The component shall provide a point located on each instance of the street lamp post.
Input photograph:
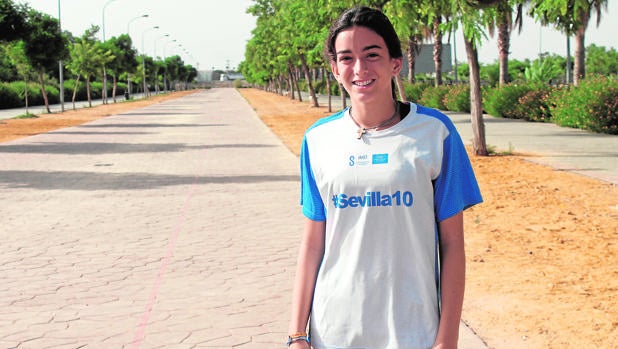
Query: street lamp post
(133, 20)
(143, 53)
(104, 94)
(60, 72)
(129, 34)
(155, 57)
(164, 58)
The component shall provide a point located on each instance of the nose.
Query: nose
(360, 66)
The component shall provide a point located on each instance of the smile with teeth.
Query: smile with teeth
(363, 83)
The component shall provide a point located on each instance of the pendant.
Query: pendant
(360, 132)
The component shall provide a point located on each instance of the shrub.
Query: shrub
(534, 105)
(334, 88)
(593, 105)
(542, 71)
(53, 94)
(320, 87)
(302, 85)
(96, 90)
(458, 98)
(433, 97)
(9, 96)
(414, 91)
(12, 94)
(502, 101)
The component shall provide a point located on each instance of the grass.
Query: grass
(491, 149)
(26, 116)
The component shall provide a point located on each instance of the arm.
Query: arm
(452, 278)
(308, 263)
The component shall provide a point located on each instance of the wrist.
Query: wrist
(297, 337)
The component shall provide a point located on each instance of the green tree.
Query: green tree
(473, 16)
(124, 58)
(12, 21)
(435, 15)
(542, 71)
(503, 22)
(174, 66)
(88, 57)
(409, 22)
(571, 17)
(44, 46)
(600, 61)
(17, 55)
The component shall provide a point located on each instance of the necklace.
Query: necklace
(362, 130)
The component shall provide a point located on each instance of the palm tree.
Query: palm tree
(572, 18)
(503, 22)
(87, 58)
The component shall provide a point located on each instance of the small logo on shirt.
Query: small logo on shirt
(366, 159)
(378, 159)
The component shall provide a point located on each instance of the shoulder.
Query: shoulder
(328, 120)
(437, 115)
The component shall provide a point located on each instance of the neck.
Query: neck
(371, 114)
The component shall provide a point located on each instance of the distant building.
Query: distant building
(204, 76)
(218, 75)
(424, 62)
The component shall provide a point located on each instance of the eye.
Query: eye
(344, 58)
(373, 55)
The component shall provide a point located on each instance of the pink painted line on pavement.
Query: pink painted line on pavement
(139, 337)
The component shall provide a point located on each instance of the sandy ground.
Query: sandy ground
(542, 250)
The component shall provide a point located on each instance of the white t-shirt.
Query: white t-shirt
(381, 197)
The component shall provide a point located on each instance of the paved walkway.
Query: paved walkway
(56, 108)
(587, 153)
(171, 226)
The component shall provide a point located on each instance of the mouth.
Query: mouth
(363, 83)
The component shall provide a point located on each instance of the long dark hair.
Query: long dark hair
(369, 18)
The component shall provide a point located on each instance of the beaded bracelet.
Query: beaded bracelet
(298, 336)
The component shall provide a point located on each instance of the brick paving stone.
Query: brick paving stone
(171, 226)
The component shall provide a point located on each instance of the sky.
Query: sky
(213, 33)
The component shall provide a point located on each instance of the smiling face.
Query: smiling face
(363, 64)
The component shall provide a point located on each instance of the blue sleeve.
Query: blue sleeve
(310, 199)
(456, 188)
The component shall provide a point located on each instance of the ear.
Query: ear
(334, 69)
(397, 65)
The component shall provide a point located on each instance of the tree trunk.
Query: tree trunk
(114, 87)
(579, 71)
(300, 95)
(75, 91)
(413, 51)
(476, 105)
(342, 92)
(26, 94)
(43, 91)
(303, 61)
(400, 89)
(579, 68)
(281, 84)
(504, 44)
(326, 75)
(437, 50)
(290, 82)
(88, 91)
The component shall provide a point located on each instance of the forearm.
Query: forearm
(452, 278)
(309, 258)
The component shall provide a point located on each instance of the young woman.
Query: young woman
(384, 184)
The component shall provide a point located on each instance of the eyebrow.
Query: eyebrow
(367, 48)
